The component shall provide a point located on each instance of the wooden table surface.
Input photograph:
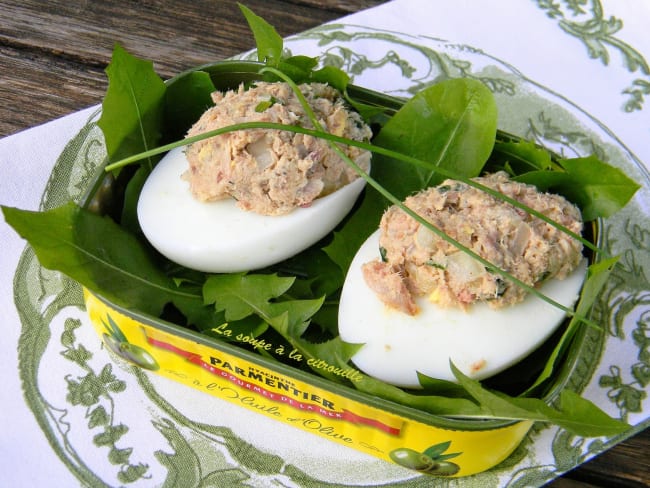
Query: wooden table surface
(52, 60)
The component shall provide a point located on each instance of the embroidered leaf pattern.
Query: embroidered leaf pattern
(599, 34)
(95, 391)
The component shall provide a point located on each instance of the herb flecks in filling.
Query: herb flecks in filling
(420, 263)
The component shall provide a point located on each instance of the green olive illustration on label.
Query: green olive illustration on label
(112, 343)
(444, 468)
(432, 460)
(410, 458)
(117, 342)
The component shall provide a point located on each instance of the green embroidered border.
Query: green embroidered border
(597, 33)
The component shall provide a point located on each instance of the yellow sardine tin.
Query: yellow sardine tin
(391, 432)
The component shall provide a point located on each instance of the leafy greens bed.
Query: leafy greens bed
(447, 130)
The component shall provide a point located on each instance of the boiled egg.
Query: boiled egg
(480, 341)
(219, 237)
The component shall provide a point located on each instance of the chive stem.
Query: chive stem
(414, 215)
(333, 140)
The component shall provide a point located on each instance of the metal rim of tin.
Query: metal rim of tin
(230, 74)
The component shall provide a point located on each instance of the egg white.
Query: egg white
(219, 237)
(481, 341)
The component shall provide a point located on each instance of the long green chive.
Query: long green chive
(333, 140)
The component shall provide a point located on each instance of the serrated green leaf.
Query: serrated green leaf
(434, 404)
(448, 125)
(323, 357)
(575, 413)
(233, 331)
(290, 318)
(240, 295)
(316, 274)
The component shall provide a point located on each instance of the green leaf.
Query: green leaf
(327, 317)
(333, 76)
(521, 156)
(251, 326)
(316, 274)
(441, 387)
(575, 414)
(334, 353)
(364, 221)
(198, 314)
(597, 276)
(240, 295)
(452, 124)
(293, 315)
(97, 253)
(585, 418)
(298, 68)
(434, 404)
(603, 189)
(269, 43)
(115, 329)
(185, 101)
(436, 450)
(599, 189)
(129, 218)
(132, 109)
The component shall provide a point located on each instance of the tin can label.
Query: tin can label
(229, 376)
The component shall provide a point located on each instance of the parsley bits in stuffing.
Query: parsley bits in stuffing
(423, 264)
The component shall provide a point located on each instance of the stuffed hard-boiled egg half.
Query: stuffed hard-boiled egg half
(249, 199)
(416, 302)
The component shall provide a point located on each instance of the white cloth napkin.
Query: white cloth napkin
(600, 71)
